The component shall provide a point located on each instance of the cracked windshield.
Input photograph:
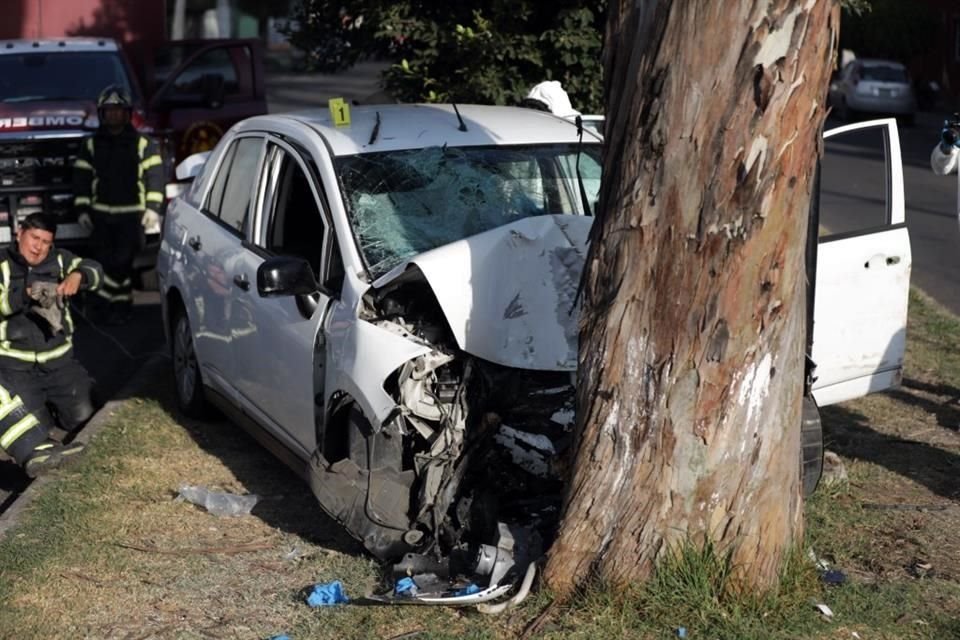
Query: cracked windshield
(402, 203)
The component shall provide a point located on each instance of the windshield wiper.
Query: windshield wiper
(583, 192)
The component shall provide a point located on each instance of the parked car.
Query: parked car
(390, 307)
(878, 87)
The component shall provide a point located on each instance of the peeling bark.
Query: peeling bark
(692, 334)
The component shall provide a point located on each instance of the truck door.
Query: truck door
(863, 264)
(199, 89)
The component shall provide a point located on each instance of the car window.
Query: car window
(233, 64)
(854, 201)
(401, 203)
(883, 73)
(296, 225)
(237, 174)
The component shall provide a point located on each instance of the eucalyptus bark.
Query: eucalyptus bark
(692, 332)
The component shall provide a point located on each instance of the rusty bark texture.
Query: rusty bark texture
(692, 333)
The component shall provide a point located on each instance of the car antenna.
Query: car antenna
(463, 125)
(376, 130)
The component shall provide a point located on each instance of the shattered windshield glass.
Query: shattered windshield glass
(402, 203)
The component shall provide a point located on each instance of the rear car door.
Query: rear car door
(215, 244)
(199, 89)
(280, 364)
(863, 264)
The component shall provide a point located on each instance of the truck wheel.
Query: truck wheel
(186, 370)
(811, 446)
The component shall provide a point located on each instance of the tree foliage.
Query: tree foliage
(488, 51)
(891, 29)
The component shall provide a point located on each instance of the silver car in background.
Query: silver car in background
(875, 87)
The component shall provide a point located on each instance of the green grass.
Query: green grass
(63, 573)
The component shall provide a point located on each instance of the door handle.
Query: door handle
(241, 281)
(892, 260)
(195, 243)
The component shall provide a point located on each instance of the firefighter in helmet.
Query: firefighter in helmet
(118, 187)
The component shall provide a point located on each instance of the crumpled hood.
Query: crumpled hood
(509, 294)
(46, 116)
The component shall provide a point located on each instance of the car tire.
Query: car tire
(811, 446)
(186, 370)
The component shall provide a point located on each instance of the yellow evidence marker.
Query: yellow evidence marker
(339, 112)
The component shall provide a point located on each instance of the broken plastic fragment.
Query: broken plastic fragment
(834, 577)
(823, 609)
(327, 595)
(468, 590)
(219, 503)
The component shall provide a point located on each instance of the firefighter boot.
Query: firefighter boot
(49, 456)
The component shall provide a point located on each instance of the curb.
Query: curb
(150, 370)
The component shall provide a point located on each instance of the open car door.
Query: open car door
(199, 88)
(863, 264)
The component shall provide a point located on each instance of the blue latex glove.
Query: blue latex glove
(326, 595)
(406, 587)
(468, 590)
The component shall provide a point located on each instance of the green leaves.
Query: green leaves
(488, 52)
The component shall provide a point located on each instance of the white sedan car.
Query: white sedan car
(390, 306)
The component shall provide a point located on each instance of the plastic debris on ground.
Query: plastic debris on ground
(824, 610)
(218, 503)
(681, 632)
(327, 595)
(833, 577)
(280, 637)
(406, 587)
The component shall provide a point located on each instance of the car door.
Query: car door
(215, 244)
(863, 264)
(200, 89)
(280, 366)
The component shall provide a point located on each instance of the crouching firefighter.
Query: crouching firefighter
(118, 189)
(39, 376)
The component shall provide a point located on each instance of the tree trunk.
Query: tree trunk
(692, 331)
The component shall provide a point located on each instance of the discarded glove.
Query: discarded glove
(85, 222)
(406, 587)
(49, 304)
(327, 595)
(150, 221)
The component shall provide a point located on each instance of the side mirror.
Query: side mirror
(211, 86)
(285, 276)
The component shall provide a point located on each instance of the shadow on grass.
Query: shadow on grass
(851, 435)
(286, 502)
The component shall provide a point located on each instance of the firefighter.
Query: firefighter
(38, 373)
(118, 191)
(946, 154)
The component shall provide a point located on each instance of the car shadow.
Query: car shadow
(850, 434)
(286, 502)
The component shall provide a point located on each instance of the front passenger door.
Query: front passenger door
(280, 369)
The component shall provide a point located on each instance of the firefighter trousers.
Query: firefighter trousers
(116, 239)
(33, 400)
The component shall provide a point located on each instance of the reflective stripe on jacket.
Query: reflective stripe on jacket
(120, 173)
(24, 339)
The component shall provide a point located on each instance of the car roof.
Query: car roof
(416, 126)
(57, 44)
(876, 62)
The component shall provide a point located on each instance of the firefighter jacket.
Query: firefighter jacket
(25, 338)
(120, 173)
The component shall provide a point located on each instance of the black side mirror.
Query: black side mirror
(286, 276)
(211, 85)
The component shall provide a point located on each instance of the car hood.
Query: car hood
(46, 116)
(510, 294)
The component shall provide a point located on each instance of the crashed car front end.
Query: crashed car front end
(455, 383)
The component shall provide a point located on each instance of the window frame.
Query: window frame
(230, 151)
(277, 148)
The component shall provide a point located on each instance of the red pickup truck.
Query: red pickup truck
(188, 94)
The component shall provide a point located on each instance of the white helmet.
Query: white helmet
(554, 97)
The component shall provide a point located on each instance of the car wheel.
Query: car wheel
(186, 370)
(811, 446)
